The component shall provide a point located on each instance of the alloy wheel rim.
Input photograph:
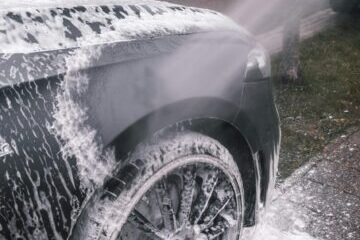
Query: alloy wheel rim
(197, 201)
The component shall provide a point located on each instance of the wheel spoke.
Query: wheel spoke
(210, 179)
(194, 201)
(222, 197)
(143, 224)
(187, 195)
(166, 206)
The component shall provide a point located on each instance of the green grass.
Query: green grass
(328, 100)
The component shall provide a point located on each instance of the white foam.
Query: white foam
(70, 125)
(52, 33)
(283, 220)
(269, 232)
(16, 4)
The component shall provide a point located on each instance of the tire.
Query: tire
(345, 6)
(184, 186)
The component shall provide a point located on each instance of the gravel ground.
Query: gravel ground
(323, 197)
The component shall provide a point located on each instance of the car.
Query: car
(345, 6)
(132, 120)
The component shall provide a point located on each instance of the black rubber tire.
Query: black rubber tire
(122, 192)
(345, 6)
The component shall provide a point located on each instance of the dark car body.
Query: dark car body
(66, 113)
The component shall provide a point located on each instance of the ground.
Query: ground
(318, 194)
(323, 197)
(328, 102)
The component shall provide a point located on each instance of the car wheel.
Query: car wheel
(345, 6)
(181, 187)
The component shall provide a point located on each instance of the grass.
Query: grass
(328, 100)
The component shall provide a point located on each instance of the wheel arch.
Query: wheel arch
(211, 117)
